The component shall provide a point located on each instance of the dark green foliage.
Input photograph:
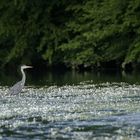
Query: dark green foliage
(74, 33)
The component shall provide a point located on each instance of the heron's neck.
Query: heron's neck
(23, 76)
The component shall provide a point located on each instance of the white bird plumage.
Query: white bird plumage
(17, 88)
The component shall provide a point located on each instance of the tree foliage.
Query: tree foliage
(74, 33)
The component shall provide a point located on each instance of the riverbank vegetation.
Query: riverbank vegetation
(76, 34)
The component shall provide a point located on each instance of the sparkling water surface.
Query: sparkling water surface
(83, 111)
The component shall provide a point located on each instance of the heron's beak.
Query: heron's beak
(29, 67)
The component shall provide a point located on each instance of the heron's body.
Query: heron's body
(17, 88)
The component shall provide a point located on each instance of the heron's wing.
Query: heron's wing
(17, 88)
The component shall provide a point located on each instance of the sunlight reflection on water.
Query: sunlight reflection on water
(84, 111)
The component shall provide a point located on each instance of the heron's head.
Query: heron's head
(25, 67)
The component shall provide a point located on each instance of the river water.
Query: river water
(72, 106)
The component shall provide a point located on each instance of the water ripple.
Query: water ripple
(81, 111)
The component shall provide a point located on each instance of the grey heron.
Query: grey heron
(17, 88)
